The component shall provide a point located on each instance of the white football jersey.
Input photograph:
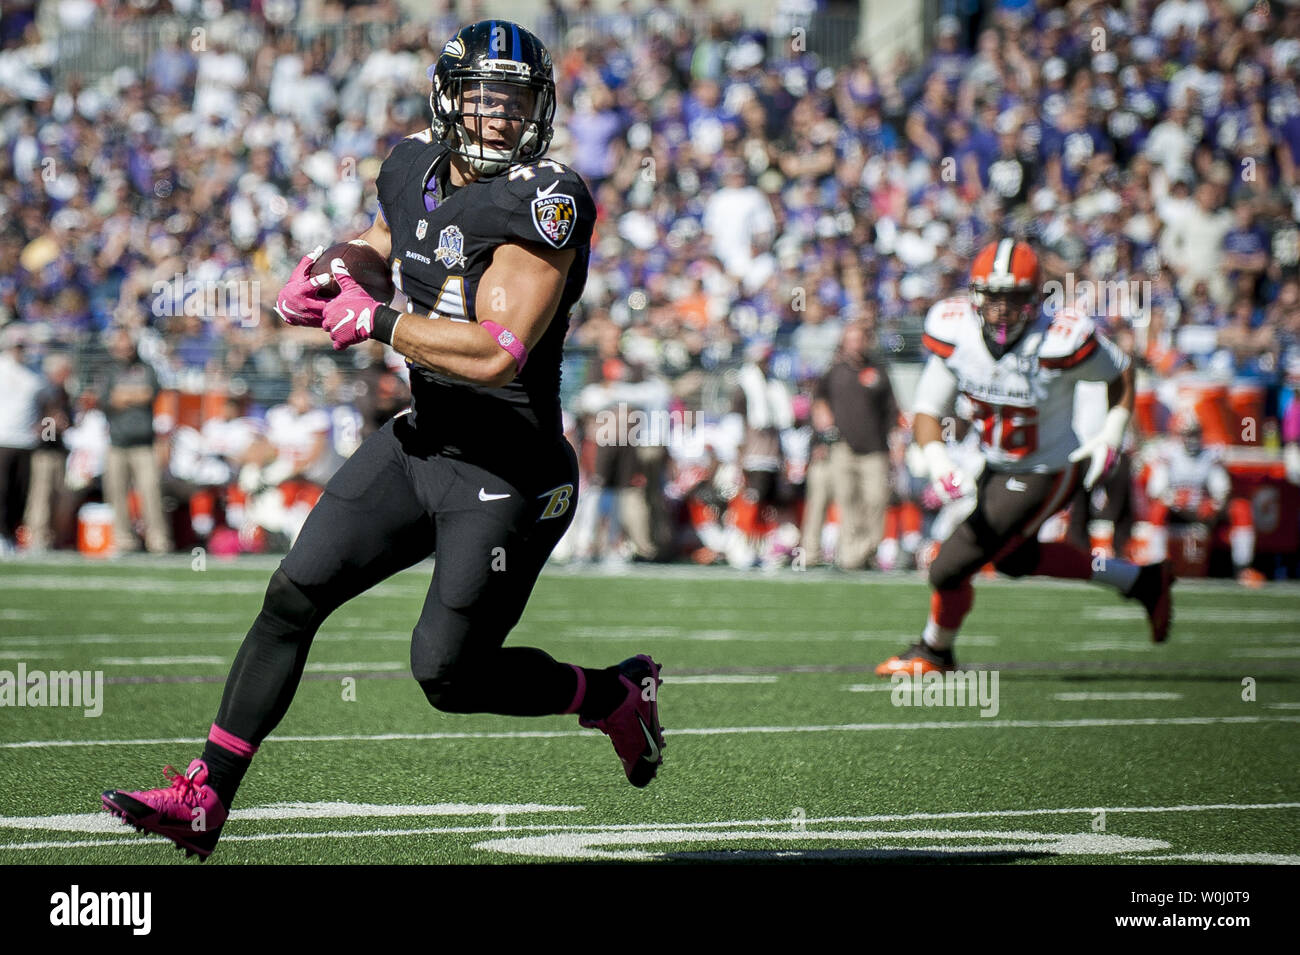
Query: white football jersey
(1184, 479)
(1021, 404)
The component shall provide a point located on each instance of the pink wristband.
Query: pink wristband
(508, 340)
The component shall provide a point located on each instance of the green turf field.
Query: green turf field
(781, 744)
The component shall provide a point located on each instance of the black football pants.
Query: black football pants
(392, 504)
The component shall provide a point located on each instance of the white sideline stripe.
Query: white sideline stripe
(702, 679)
(975, 723)
(1081, 697)
(1246, 858)
(655, 826)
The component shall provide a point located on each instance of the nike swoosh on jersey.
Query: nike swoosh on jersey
(543, 193)
(483, 495)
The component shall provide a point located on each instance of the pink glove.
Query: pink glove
(299, 302)
(949, 487)
(350, 315)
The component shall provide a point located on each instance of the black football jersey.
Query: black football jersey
(438, 257)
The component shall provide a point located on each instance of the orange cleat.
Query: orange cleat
(1252, 578)
(918, 659)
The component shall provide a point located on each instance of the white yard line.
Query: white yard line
(102, 822)
(974, 723)
(161, 661)
(1240, 858)
(171, 639)
(1086, 697)
(1193, 614)
(1109, 646)
(711, 679)
(558, 837)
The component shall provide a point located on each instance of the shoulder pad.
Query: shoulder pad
(944, 325)
(409, 148)
(525, 179)
(401, 164)
(1069, 340)
(546, 202)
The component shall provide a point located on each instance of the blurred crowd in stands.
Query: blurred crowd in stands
(765, 215)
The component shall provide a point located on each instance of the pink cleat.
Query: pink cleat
(188, 812)
(634, 727)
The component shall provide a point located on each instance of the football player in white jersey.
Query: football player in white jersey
(1017, 367)
(1188, 484)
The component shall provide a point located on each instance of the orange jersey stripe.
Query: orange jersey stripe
(940, 348)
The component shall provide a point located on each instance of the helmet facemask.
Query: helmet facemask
(1004, 315)
(494, 118)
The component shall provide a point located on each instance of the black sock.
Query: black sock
(225, 771)
(605, 693)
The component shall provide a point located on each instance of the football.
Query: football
(367, 266)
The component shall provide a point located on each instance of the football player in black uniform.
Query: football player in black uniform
(489, 242)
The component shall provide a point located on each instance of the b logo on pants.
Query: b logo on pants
(558, 502)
